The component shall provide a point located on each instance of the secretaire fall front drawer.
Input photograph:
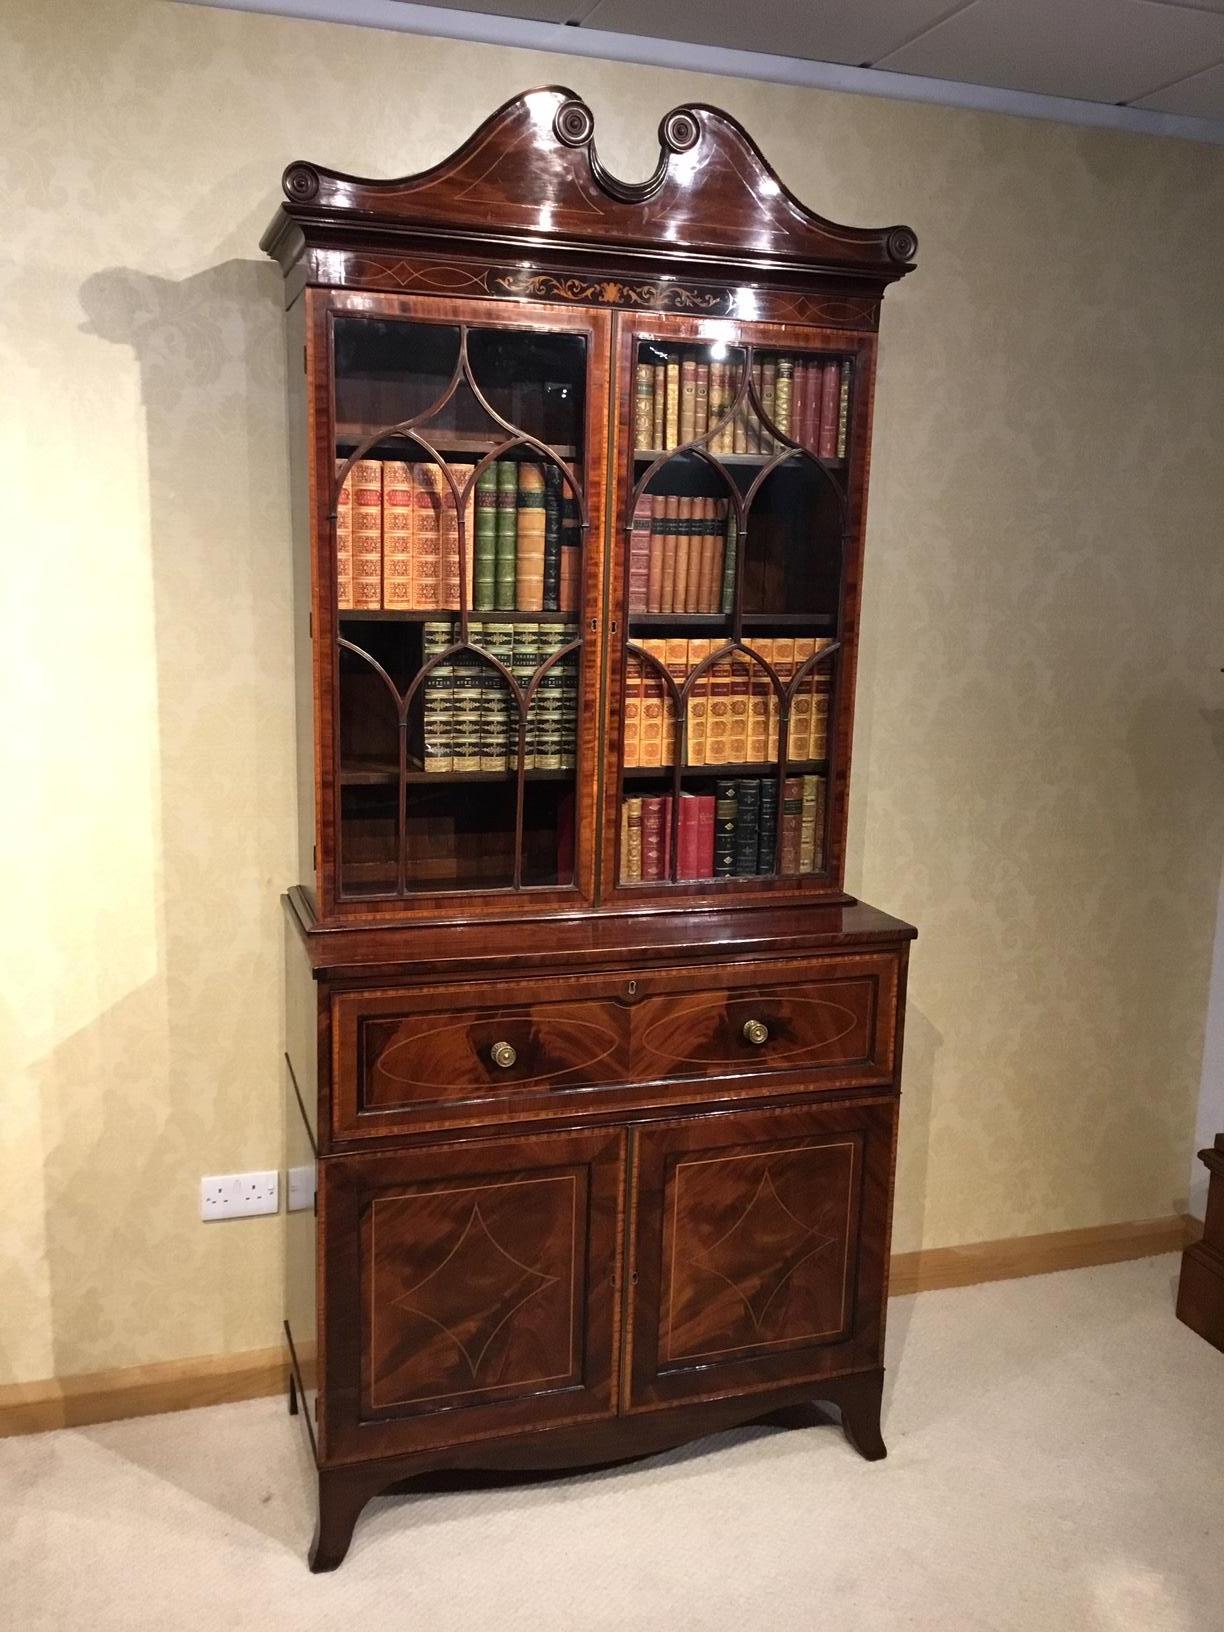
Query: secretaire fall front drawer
(426, 1058)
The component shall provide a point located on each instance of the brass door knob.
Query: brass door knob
(756, 1032)
(503, 1054)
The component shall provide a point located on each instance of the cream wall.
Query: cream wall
(1038, 780)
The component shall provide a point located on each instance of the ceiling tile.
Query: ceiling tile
(852, 31)
(1097, 50)
(1202, 97)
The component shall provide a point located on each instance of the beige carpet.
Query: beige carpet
(1056, 1461)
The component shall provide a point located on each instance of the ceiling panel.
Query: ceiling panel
(1202, 97)
(1099, 50)
(853, 31)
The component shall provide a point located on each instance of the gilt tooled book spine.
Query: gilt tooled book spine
(747, 825)
(729, 550)
(553, 504)
(496, 709)
(726, 805)
(783, 393)
(367, 483)
(653, 689)
(790, 814)
(529, 540)
(658, 525)
(485, 549)
(671, 424)
(453, 560)
(767, 830)
(639, 555)
(843, 410)
(701, 400)
(525, 659)
(698, 702)
(643, 405)
(506, 565)
(632, 710)
(830, 389)
(397, 530)
(671, 528)
(344, 542)
(688, 399)
(427, 532)
(631, 842)
(680, 554)
(737, 727)
(437, 748)
(658, 417)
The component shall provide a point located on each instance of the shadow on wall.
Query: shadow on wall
(922, 1046)
(180, 1077)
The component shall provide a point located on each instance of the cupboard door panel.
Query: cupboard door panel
(470, 1290)
(758, 1249)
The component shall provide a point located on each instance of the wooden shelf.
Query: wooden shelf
(463, 442)
(647, 456)
(796, 767)
(438, 614)
(719, 620)
(382, 773)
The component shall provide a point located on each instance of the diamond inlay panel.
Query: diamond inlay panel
(473, 1291)
(758, 1251)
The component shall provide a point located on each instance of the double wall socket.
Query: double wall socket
(239, 1195)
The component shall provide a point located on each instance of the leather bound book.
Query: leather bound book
(571, 562)
(700, 556)
(683, 544)
(633, 710)
(718, 402)
(658, 420)
(506, 564)
(769, 395)
(676, 658)
(671, 527)
(760, 691)
(757, 441)
(437, 712)
(718, 727)
(737, 727)
(791, 815)
(767, 828)
(716, 526)
(729, 549)
(344, 542)
(549, 704)
(807, 824)
(671, 423)
(451, 561)
(631, 852)
(653, 715)
(553, 502)
(688, 399)
(726, 809)
(799, 386)
(428, 491)
(829, 393)
(485, 528)
(658, 532)
(656, 838)
(800, 745)
(529, 540)
(783, 661)
(467, 698)
(497, 705)
(639, 555)
(843, 410)
(568, 667)
(643, 405)
(397, 534)
(705, 835)
(367, 481)
(747, 820)
(783, 395)
(701, 400)
(695, 839)
(698, 702)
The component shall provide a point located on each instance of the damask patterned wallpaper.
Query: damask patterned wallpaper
(1038, 778)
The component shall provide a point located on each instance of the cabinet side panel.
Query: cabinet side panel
(301, 1075)
(303, 664)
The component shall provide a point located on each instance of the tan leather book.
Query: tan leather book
(367, 483)
(397, 519)
(676, 657)
(683, 548)
(450, 540)
(760, 695)
(801, 706)
(671, 421)
(701, 403)
(658, 417)
(632, 710)
(653, 707)
(699, 702)
(688, 399)
(737, 727)
(658, 532)
(529, 557)
(430, 492)
(783, 661)
(671, 526)
(719, 717)
(344, 542)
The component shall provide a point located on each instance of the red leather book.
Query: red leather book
(830, 393)
(656, 838)
(695, 840)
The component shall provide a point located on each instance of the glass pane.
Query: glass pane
(731, 610)
(454, 536)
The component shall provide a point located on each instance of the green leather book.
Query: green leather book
(506, 567)
(485, 545)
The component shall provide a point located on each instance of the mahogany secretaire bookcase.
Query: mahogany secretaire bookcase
(597, 1062)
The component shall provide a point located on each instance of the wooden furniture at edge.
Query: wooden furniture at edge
(1200, 1293)
(602, 1164)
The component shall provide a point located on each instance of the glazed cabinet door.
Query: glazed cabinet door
(458, 524)
(759, 1250)
(468, 1291)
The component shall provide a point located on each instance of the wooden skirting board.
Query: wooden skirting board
(181, 1385)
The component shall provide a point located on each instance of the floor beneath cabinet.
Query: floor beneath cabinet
(1056, 1448)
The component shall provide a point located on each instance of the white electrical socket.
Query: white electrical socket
(300, 1190)
(239, 1195)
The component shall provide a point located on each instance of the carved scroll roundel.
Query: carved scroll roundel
(574, 123)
